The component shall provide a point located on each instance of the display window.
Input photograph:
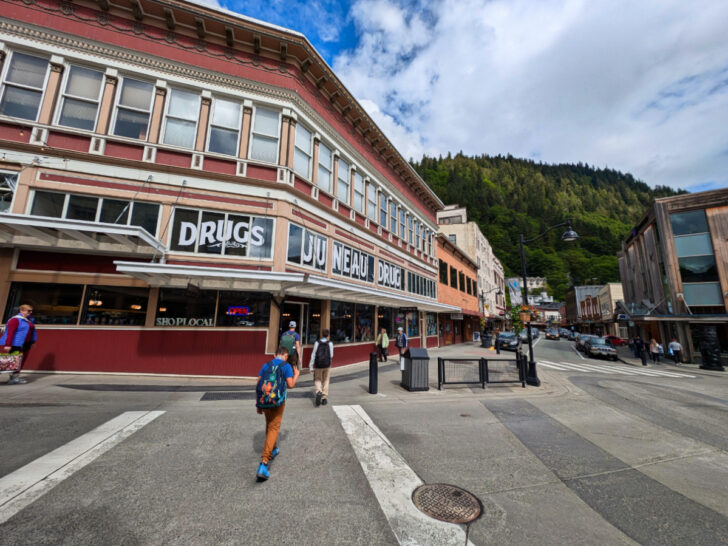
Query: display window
(413, 324)
(431, 324)
(364, 323)
(52, 303)
(115, 306)
(384, 320)
(186, 307)
(314, 321)
(243, 309)
(342, 322)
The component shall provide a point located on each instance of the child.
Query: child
(271, 402)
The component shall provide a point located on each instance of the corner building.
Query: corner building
(178, 183)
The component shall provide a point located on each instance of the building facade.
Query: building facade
(179, 183)
(674, 271)
(609, 319)
(457, 285)
(577, 313)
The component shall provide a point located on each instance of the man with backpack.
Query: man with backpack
(274, 379)
(292, 342)
(321, 358)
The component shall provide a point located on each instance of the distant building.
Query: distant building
(579, 306)
(674, 270)
(534, 283)
(458, 287)
(608, 320)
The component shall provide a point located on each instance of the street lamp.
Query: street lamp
(568, 236)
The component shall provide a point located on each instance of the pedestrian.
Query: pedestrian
(18, 337)
(675, 350)
(401, 343)
(321, 358)
(292, 342)
(274, 379)
(638, 345)
(654, 351)
(382, 343)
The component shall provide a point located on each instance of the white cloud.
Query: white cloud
(639, 87)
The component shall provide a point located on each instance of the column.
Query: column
(203, 121)
(157, 111)
(107, 101)
(245, 132)
(51, 92)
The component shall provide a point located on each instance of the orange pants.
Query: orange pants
(273, 419)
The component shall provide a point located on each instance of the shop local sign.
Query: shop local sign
(184, 321)
(352, 263)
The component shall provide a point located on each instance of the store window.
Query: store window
(343, 182)
(314, 321)
(358, 193)
(372, 202)
(243, 309)
(364, 323)
(23, 86)
(180, 121)
(224, 127)
(52, 303)
(265, 134)
(8, 183)
(342, 322)
(325, 166)
(115, 305)
(303, 152)
(413, 324)
(186, 307)
(133, 107)
(431, 324)
(80, 98)
(384, 320)
(399, 318)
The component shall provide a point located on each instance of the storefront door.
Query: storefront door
(298, 312)
(458, 330)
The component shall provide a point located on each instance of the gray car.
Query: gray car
(599, 347)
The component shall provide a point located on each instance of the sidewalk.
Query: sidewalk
(625, 354)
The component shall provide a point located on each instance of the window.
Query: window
(8, 183)
(52, 303)
(342, 322)
(325, 158)
(413, 324)
(266, 131)
(453, 239)
(224, 127)
(306, 247)
(453, 277)
(133, 108)
(443, 272)
(431, 324)
(180, 126)
(429, 243)
(462, 281)
(302, 154)
(186, 307)
(402, 224)
(343, 183)
(393, 217)
(24, 82)
(372, 202)
(384, 320)
(418, 235)
(358, 192)
(243, 309)
(410, 233)
(383, 210)
(115, 305)
(80, 98)
(364, 323)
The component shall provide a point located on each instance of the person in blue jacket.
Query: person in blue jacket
(19, 336)
(401, 343)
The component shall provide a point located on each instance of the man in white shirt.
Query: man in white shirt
(676, 350)
(321, 358)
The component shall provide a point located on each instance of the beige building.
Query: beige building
(608, 296)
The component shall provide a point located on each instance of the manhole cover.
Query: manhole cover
(447, 503)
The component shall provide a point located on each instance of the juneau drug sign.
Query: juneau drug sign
(390, 275)
(352, 263)
(306, 247)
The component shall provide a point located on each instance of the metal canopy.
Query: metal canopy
(292, 284)
(41, 232)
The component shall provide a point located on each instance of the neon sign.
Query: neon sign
(238, 311)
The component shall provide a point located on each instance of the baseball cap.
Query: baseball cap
(292, 324)
(399, 329)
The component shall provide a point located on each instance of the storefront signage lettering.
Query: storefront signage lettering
(306, 247)
(352, 263)
(215, 233)
(184, 321)
(389, 275)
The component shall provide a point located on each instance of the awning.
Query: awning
(282, 284)
(41, 232)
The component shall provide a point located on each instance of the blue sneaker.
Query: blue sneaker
(263, 473)
(274, 453)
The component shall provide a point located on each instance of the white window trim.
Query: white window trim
(330, 168)
(4, 84)
(308, 153)
(210, 125)
(63, 95)
(253, 133)
(166, 116)
(347, 180)
(117, 105)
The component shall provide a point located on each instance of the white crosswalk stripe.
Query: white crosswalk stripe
(588, 367)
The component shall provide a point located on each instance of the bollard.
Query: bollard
(373, 373)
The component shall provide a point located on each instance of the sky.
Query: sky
(636, 86)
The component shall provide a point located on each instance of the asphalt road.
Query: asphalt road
(599, 454)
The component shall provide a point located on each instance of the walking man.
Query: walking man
(292, 342)
(274, 379)
(382, 344)
(19, 337)
(676, 349)
(401, 344)
(655, 351)
(321, 358)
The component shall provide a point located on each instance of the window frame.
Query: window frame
(345, 180)
(166, 116)
(211, 125)
(63, 95)
(308, 154)
(402, 224)
(117, 98)
(363, 193)
(4, 80)
(330, 168)
(392, 216)
(371, 212)
(253, 134)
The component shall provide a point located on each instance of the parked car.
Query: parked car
(563, 332)
(616, 341)
(581, 340)
(509, 341)
(599, 347)
(573, 336)
(552, 333)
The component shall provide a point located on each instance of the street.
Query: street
(602, 453)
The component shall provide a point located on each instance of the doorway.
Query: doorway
(297, 311)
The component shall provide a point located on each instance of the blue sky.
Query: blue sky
(641, 87)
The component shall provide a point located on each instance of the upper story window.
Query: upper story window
(410, 229)
(393, 217)
(358, 192)
(23, 85)
(402, 229)
(429, 243)
(372, 202)
(80, 99)
(443, 272)
(224, 127)
(418, 233)
(383, 210)
(453, 277)
(8, 183)
(134, 105)
(266, 131)
(180, 124)
(453, 238)
(343, 183)
(303, 152)
(325, 159)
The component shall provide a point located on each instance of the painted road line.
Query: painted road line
(610, 369)
(581, 367)
(25, 485)
(393, 481)
(577, 352)
(670, 374)
(553, 365)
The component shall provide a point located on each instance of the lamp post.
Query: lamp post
(569, 235)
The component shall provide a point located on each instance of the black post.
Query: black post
(373, 373)
(439, 373)
(532, 378)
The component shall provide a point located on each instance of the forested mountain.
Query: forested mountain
(507, 196)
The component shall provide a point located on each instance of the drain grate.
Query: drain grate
(227, 396)
(447, 503)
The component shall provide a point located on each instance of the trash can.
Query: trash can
(416, 374)
(486, 341)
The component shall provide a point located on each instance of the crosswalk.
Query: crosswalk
(609, 369)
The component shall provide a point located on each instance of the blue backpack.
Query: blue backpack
(271, 389)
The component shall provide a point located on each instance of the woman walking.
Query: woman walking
(655, 351)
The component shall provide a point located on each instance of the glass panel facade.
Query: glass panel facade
(364, 322)
(46, 203)
(115, 305)
(703, 294)
(687, 223)
(342, 322)
(413, 324)
(180, 307)
(52, 303)
(82, 207)
(693, 245)
(431, 324)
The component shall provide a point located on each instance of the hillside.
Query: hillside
(507, 196)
